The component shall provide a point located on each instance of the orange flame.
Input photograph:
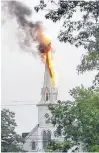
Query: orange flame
(50, 65)
(47, 58)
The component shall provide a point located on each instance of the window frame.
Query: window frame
(32, 145)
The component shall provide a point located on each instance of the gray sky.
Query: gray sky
(23, 74)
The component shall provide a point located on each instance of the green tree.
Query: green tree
(78, 121)
(84, 26)
(57, 146)
(10, 140)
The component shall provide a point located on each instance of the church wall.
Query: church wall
(28, 142)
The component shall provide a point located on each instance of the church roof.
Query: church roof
(25, 134)
(33, 130)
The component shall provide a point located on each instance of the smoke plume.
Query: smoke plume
(17, 10)
(29, 32)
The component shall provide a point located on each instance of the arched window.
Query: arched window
(55, 133)
(46, 96)
(48, 137)
(33, 145)
(44, 140)
(49, 96)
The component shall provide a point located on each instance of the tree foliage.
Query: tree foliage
(78, 121)
(10, 140)
(84, 27)
(57, 146)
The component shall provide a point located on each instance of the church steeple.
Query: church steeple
(48, 92)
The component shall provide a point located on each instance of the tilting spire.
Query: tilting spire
(47, 79)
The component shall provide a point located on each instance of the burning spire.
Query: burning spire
(50, 65)
(44, 48)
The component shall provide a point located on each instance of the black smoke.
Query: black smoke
(29, 31)
(19, 11)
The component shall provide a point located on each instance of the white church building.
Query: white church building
(38, 138)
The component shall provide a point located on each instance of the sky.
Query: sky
(22, 73)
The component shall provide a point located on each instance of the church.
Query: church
(38, 138)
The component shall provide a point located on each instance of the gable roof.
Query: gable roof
(25, 134)
(32, 132)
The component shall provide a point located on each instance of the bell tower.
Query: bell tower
(48, 95)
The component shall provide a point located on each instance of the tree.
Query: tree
(84, 26)
(10, 140)
(87, 112)
(81, 31)
(78, 121)
(59, 146)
